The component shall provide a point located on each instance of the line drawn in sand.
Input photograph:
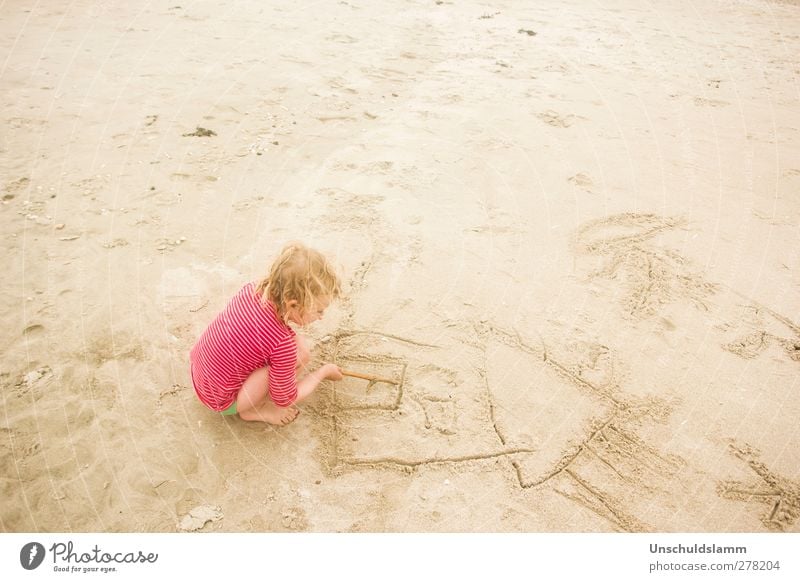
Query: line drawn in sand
(425, 400)
(654, 276)
(630, 465)
(780, 495)
(608, 447)
(757, 321)
(451, 417)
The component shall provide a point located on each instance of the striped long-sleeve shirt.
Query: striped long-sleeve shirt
(248, 334)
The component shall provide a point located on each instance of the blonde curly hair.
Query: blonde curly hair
(299, 274)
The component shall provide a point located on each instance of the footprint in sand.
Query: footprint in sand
(248, 203)
(25, 122)
(198, 517)
(342, 38)
(33, 331)
(703, 102)
(169, 244)
(35, 380)
(104, 348)
(555, 119)
(581, 180)
(12, 188)
(116, 243)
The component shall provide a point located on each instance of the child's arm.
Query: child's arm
(310, 382)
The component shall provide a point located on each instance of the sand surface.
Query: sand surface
(569, 229)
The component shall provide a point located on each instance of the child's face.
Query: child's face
(297, 315)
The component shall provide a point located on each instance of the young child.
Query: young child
(248, 358)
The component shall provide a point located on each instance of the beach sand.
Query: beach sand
(568, 229)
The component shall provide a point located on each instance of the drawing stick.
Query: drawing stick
(366, 376)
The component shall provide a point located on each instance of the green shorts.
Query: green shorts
(231, 410)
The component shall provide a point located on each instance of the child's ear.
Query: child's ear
(291, 304)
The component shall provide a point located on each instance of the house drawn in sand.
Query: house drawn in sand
(496, 397)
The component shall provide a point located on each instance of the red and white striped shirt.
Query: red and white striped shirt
(248, 334)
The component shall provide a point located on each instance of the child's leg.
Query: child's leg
(303, 354)
(253, 401)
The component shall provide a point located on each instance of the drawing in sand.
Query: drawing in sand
(565, 237)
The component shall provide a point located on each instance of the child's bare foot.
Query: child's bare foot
(281, 416)
(272, 414)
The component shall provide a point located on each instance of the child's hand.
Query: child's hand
(332, 372)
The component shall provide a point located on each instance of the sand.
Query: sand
(567, 229)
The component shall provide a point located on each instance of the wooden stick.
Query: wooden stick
(367, 376)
